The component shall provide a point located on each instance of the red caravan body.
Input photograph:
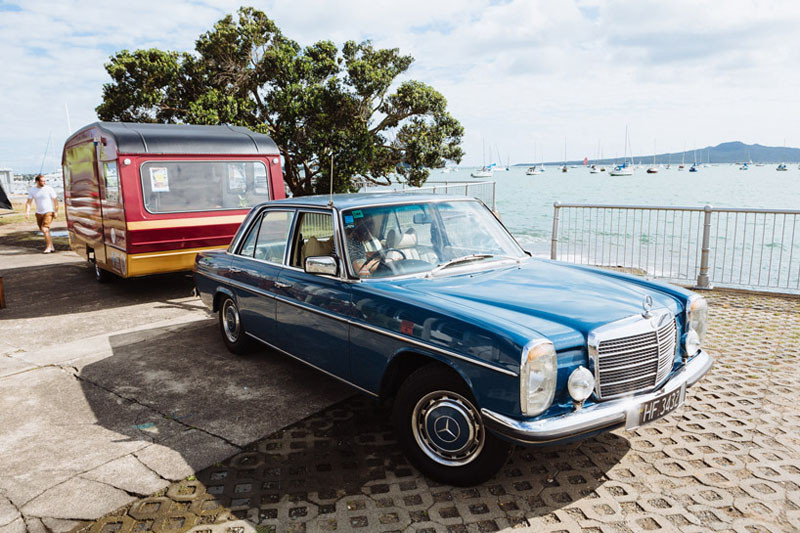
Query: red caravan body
(145, 198)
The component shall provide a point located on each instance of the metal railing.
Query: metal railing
(746, 248)
(483, 190)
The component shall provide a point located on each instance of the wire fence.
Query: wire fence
(747, 248)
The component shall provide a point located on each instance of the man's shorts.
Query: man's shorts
(44, 220)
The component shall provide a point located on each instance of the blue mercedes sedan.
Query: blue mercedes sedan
(429, 302)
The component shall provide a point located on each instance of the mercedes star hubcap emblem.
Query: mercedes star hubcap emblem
(446, 429)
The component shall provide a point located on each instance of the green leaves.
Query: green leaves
(313, 101)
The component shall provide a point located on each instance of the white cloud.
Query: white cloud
(514, 73)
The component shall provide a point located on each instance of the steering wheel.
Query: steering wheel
(384, 253)
(384, 261)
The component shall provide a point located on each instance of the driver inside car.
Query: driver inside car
(363, 247)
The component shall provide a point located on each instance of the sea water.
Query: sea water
(525, 203)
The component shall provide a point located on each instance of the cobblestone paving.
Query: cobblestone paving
(727, 461)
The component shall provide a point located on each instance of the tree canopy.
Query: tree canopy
(313, 101)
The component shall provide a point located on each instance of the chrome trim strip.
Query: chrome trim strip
(636, 378)
(362, 325)
(311, 365)
(422, 344)
(626, 367)
(238, 284)
(593, 418)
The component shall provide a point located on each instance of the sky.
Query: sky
(524, 77)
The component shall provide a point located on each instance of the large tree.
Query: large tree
(313, 101)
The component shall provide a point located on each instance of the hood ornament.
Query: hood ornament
(647, 304)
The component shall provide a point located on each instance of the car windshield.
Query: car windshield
(424, 237)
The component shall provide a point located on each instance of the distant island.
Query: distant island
(729, 152)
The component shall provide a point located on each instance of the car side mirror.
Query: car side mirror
(323, 264)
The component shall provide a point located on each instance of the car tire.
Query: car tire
(230, 326)
(440, 429)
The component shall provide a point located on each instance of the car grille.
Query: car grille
(634, 363)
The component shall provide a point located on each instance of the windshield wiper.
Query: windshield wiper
(467, 259)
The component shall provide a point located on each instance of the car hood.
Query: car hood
(558, 301)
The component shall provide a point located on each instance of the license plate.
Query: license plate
(656, 408)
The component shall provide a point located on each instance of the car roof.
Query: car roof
(349, 201)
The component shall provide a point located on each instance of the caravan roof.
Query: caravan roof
(137, 138)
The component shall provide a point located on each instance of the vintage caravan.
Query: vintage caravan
(145, 198)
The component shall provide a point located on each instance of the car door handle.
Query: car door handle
(282, 285)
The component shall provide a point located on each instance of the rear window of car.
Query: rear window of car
(184, 186)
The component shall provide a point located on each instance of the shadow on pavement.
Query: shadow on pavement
(337, 469)
(203, 403)
(69, 288)
(342, 469)
(33, 240)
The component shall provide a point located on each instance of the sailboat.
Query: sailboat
(534, 170)
(782, 167)
(484, 171)
(683, 158)
(499, 167)
(695, 165)
(624, 169)
(653, 169)
(564, 168)
(593, 168)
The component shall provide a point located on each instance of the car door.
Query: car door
(313, 309)
(255, 267)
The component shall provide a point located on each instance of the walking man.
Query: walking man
(46, 209)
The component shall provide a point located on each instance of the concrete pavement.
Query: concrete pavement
(111, 392)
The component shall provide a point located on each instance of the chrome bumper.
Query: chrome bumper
(604, 415)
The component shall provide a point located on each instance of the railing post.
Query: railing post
(554, 240)
(702, 277)
(494, 196)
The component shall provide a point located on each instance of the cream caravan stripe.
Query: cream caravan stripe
(184, 222)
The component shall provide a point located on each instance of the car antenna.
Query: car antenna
(330, 201)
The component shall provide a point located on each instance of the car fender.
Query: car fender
(399, 367)
(218, 296)
(487, 387)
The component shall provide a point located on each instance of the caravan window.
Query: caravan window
(181, 186)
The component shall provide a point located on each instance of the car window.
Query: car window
(466, 234)
(268, 237)
(421, 237)
(249, 244)
(405, 215)
(313, 238)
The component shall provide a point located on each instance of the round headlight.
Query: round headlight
(691, 342)
(580, 384)
(538, 375)
(697, 316)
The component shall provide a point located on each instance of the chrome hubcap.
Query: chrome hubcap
(230, 321)
(447, 428)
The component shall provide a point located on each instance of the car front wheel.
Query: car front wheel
(441, 430)
(230, 325)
